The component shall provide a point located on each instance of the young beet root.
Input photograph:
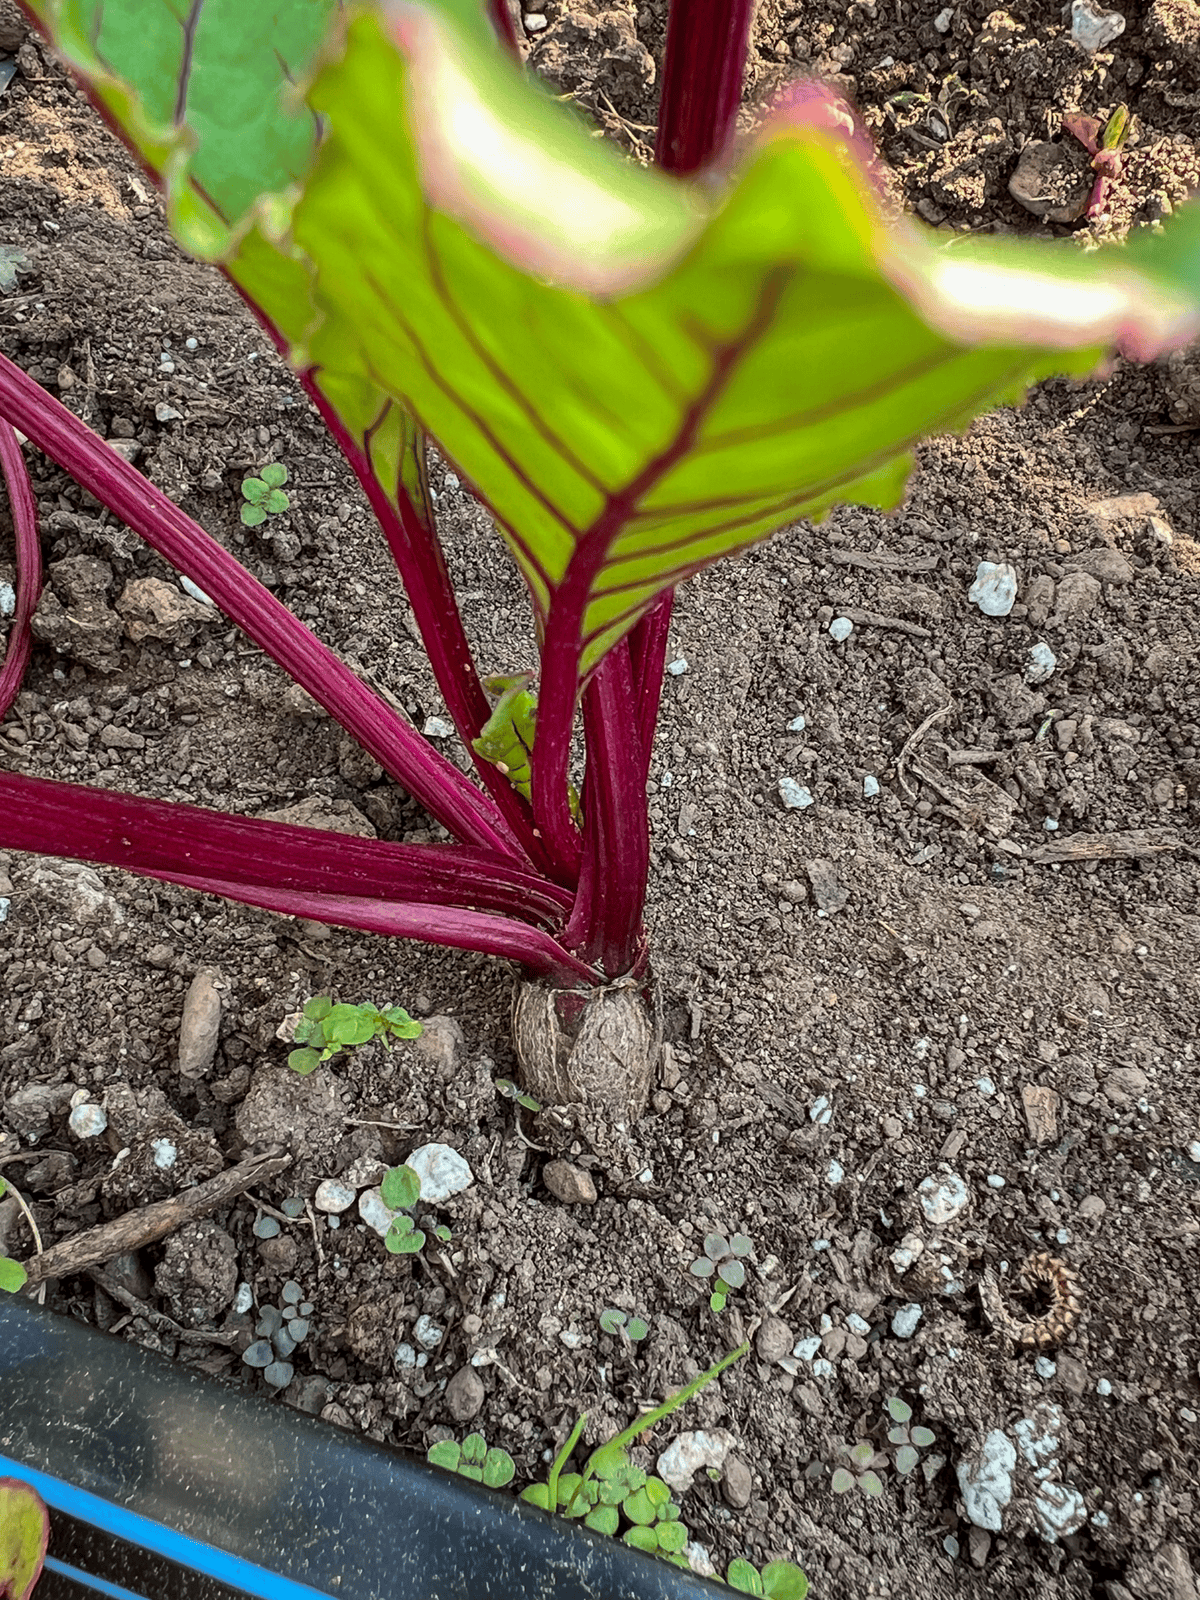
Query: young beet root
(636, 371)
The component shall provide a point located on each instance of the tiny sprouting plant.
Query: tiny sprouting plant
(475, 1460)
(264, 495)
(780, 1580)
(12, 1274)
(861, 1472)
(400, 1191)
(24, 1532)
(910, 1440)
(726, 1259)
(615, 1321)
(510, 1091)
(325, 1029)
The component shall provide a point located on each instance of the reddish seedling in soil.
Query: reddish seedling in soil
(636, 371)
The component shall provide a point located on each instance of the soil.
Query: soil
(888, 1013)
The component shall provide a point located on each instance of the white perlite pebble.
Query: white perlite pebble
(942, 1198)
(858, 1324)
(165, 1154)
(442, 1172)
(333, 1197)
(943, 20)
(904, 1323)
(8, 600)
(196, 592)
(985, 1480)
(438, 728)
(796, 725)
(1194, 1150)
(995, 588)
(244, 1299)
(836, 1172)
(870, 787)
(373, 1211)
(691, 1452)
(426, 1332)
(1042, 662)
(1091, 28)
(87, 1121)
(5, 907)
(840, 629)
(806, 1349)
(906, 1252)
(534, 23)
(677, 667)
(794, 796)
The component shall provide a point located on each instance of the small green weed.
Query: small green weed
(726, 1258)
(860, 1472)
(781, 1580)
(400, 1191)
(473, 1459)
(264, 495)
(324, 1029)
(910, 1440)
(12, 1274)
(614, 1321)
(509, 1090)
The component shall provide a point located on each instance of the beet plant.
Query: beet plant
(637, 371)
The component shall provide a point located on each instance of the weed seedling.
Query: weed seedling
(726, 1258)
(12, 1274)
(910, 1440)
(781, 1580)
(264, 495)
(473, 1459)
(325, 1029)
(861, 1471)
(509, 1090)
(614, 1321)
(400, 1191)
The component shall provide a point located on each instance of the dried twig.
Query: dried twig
(138, 1228)
(11, 1188)
(157, 1319)
(1137, 842)
(911, 743)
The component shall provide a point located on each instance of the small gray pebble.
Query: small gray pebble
(737, 1483)
(292, 1292)
(279, 1374)
(773, 1340)
(464, 1394)
(266, 1228)
(259, 1354)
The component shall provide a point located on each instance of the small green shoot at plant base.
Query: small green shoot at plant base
(400, 1191)
(614, 1321)
(264, 495)
(509, 1090)
(726, 1258)
(473, 1459)
(324, 1029)
(12, 1274)
(781, 1580)
(909, 1440)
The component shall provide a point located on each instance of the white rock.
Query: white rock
(244, 1299)
(995, 588)
(196, 592)
(690, 1453)
(793, 795)
(373, 1211)
(806, 1349)
(165, 1154)
(870, 787)
(1060, 1511)
(333, 1197)
(796, 725)
(87, 1121)
(858, 1324)
(8, 600)
(1045, 1368)
(995, 1181)
(1103, 1387)
(942, 1198)
(426, 1332)
(904, 1323)
(840, 629)
(442, 1172)
(1194, 1150)
(5, 907)
(985, 1480)
(405, 1355)
(438, 728)
(835, 1173)
(677, 667)
(943, 20)
(906, 1252)
(534, 22)
(1042, 662)
(699, 1560)
(821, 1111)
(1091, 28)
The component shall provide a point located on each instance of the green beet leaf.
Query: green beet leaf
(639, 374)
(24, 1531)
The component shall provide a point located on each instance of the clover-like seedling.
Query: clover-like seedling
(614, 1321)
(618, 1491)
(725, 1258)
(325, 1029)
(12, 1274)
(264, 495)
(473, 1459)
(781, 1580)
(910, 1441)
(861, 1472)
(510, 1091)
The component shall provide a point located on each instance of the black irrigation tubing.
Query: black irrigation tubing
(166, 1485)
